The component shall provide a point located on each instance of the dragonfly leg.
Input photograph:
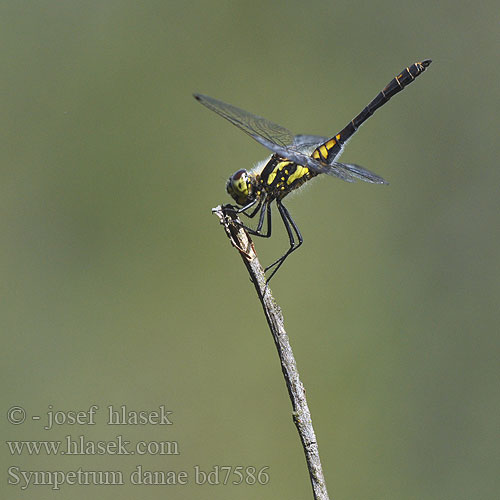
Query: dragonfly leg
(265, 210)
(251, 215)
(236, 210)
(290, 226)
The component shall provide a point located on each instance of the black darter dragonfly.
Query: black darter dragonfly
(295, 160)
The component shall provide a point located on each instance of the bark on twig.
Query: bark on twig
(301, 415)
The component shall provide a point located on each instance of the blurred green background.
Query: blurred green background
(118, 287)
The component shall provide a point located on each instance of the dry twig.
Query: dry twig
(301, 415)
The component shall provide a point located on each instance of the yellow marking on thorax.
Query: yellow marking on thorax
(277, 169)
(298, 174)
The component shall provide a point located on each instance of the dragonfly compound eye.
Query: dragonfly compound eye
(239, 186)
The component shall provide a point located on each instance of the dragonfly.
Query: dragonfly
(295, 160)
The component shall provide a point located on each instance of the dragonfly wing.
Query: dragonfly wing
(277, 138)
(359, 173)
(308, 141)
(302, 158)
(269, 134)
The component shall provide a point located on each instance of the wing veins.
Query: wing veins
(281, 141)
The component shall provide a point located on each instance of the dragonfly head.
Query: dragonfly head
(240, 187)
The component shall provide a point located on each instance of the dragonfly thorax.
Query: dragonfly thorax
(241, 187)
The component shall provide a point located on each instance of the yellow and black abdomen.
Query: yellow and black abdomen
(281, 176)
(331, 149)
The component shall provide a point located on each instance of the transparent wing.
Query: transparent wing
(308, 143)
(360, 173)
(303, 141)
(281, 141)
(262, 130)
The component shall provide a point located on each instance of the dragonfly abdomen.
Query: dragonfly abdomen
(333, 147)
